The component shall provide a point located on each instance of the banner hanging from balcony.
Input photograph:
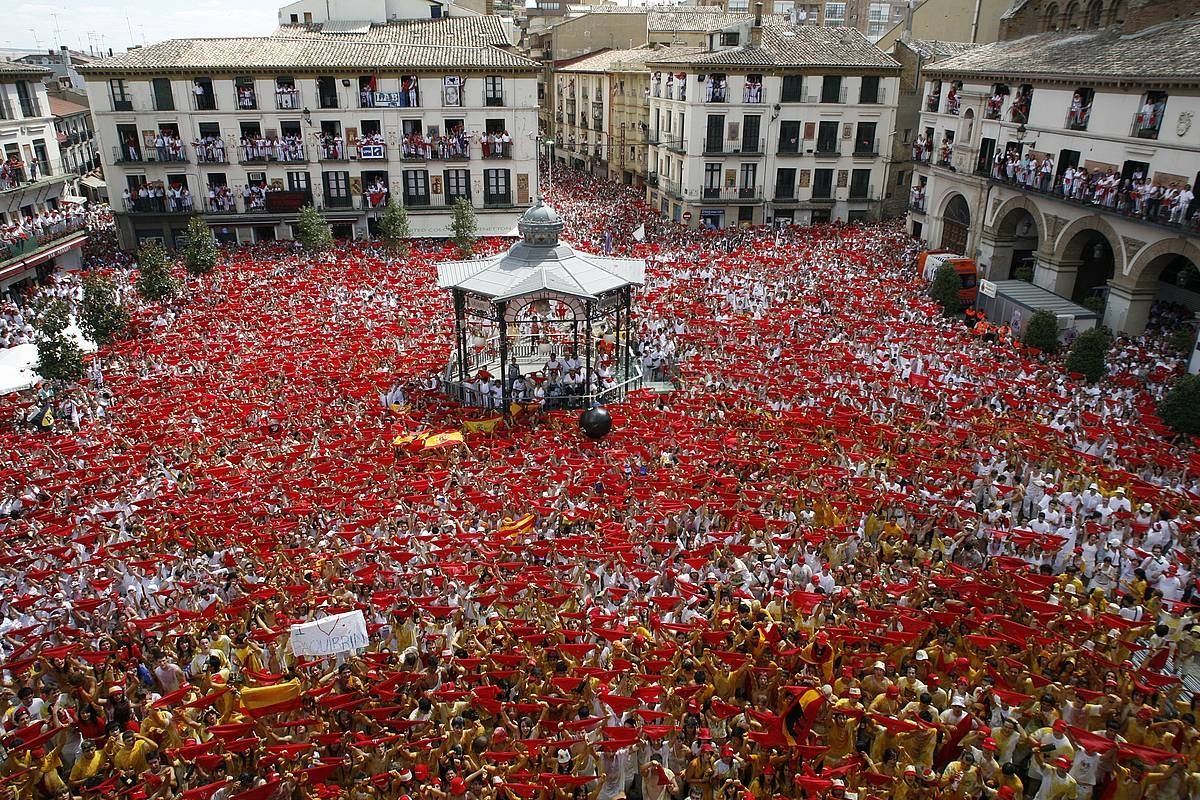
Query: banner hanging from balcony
(407, 97)
(369, 152)
(452, 86)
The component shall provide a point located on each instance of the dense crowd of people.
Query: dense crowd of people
(856, 553)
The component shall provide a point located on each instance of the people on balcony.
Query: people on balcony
(210, 149)
(496, 144)
(952, 101)
(995, 105)
(221, 199)
(376, 193)
(946, 151)
(921, 149)
(1136, 196)
(286, 96)
(254, 196)
(917, 197)
(12, 172)
(1077, 117)
(1020, 105)
(333, 147)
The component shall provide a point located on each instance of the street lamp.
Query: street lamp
(549, 142)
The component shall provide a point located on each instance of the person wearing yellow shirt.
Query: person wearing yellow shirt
(1132, 782)
(960, 779)
(90, 763)
(1057, 775)
(128, 751)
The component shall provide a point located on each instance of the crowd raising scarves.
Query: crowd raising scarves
(858, 553)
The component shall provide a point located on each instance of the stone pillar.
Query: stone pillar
(1057, 275)
(995, 256)
(1128, 308)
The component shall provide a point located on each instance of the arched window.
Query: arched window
(1095, 14)
(1071, 18)
(1116, 13)
(1052, 12)
(956, 223)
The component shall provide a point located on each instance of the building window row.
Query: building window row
(715, 88)
(288, 96)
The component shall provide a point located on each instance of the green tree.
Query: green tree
(1088, 353)
(59, 357)
(1042, 331)
(394, 228)
(199, 248)
(102, 318)
(944, 290)
(155, 283)
(313, 231)
(1182, 340)
(1180, 407)
(463, 227)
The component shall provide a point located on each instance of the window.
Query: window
(287, 95)
(119, 92)
(752, 89)
(822, 184)
(793, 89)
(1051, 17)
(496, 189)
(751, 131)
(831, 89)
(203, 96)
(827, 137)
(864, 140)
(1150, 116)
(729, 38)
(835, 13)
(493, 90)
(714, 134)
(716, 88)
(130, 148)
(1080, 111)
(712, 179)
(27, 97)
(748, 177)
(868, 90)
(164, 100)
(458, 184)
(877, 20)
(785, 183)
(299, 182)
(1021, 104)
(789, 136)
(247, 98)
(337, 189)
(995, 103)
(367, 86)
(416, 187)
(860, 184)
(327, 92)
(294, 19)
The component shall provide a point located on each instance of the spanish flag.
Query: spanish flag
(428, 441)
(260, 701)
(517, 527)
(485, 425)
(799, 719)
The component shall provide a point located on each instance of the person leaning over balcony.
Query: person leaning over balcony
(1047, 170)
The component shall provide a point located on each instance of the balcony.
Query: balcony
(417, 201)
(1124, 204)
(917, 206)
(159, 205)
(652, 179)
(827, 150)
(18, 181)
(29, 247)
(790, 150)
(176, 154)
(749, 147)
(497, 199)
(338, 201)
(283, 152)
(287, 98)
(675, 145)
(862, 194)
(866, 149)
(746, 194)
(207, 154)
(785, 195)
(203, 102)
(497, 150)
(494, 100)
(332, 152)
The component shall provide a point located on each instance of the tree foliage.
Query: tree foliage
(463, 227)
(102, 318)
(1180, 407)
(1088, 353)
(59, 357)
(394, 228)
(199, 248)
(1042, 331)
(945, 288)
(155, 283)
(313, 231)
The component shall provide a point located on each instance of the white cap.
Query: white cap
(879, 665)
(922, 655)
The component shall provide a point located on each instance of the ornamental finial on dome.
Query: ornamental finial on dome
(540, 225)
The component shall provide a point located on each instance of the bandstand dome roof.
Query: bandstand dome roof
(539, 264)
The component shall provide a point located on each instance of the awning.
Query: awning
(92, 182)
(73, 198)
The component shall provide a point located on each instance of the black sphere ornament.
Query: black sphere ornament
(595, 423)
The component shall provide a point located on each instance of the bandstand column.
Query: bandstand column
(587, 348)
(460, 325)
(502, 314)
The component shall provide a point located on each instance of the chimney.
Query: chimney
(66, 55)
(758, 15)
(756, 31)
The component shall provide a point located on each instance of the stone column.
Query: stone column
(1056, 274)
(1128, 308)
(995, 256)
